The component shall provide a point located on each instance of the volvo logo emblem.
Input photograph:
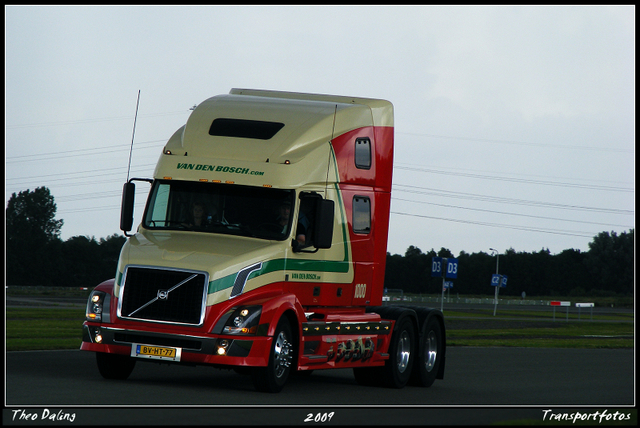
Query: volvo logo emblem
(163, 294)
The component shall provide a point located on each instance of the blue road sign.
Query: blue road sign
(495, 280)
(436, 266)
(503, 282)
(452, 268)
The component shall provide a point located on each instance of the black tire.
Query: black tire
(113, 366)
(273, 377)
(430, 353)
(397, 370)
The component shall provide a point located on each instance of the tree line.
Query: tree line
(607, 269)
(35, 255)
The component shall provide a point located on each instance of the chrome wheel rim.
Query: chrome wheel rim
(431, 351)
(282, 354)
(404, 351)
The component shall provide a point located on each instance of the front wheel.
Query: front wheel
(273, 377)
(430, 354)
(397, 370)
(113, 366)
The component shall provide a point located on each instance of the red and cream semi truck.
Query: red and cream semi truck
(262, 249)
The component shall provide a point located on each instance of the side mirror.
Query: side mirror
(126, 209)
(323, 230)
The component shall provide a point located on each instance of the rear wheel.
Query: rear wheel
(273, 377)
(113, 366)
(397, 370)
(429, 355)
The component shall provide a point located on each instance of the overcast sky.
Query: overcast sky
(514, 126)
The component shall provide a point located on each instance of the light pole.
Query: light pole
(495, 300)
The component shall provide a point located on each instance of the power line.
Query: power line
(91, 173)
(69, 181)
(503, 226)
(101, 150)
(520, 143)
(510, 214)
(398, 165)
(100, 208)
(76, 152)
(486, 198)
(517, 180)
(70, 178)
(86, 196)
(83, 121)
(448, 137)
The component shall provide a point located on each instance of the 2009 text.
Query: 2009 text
(319, 417)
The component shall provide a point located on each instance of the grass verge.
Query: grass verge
(29, 329)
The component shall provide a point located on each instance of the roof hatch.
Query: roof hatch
(243, 128)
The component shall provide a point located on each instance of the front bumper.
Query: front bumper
(249, 351)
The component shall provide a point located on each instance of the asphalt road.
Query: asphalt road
(481, 385)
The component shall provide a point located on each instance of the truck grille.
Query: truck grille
(163, 295)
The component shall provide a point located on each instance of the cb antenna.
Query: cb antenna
(135, 119)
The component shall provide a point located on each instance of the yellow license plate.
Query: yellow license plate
(155, 352)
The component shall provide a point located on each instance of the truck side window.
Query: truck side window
(306, 220)
(361, 214)
(363, 153)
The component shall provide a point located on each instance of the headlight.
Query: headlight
(96, 305)
(243, 320)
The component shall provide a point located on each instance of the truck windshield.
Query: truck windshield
(220, 208)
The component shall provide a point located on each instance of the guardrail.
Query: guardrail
(489, 301)
(44, 288)
(470, 300)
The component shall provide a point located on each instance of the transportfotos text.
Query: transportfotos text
(599, 416)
